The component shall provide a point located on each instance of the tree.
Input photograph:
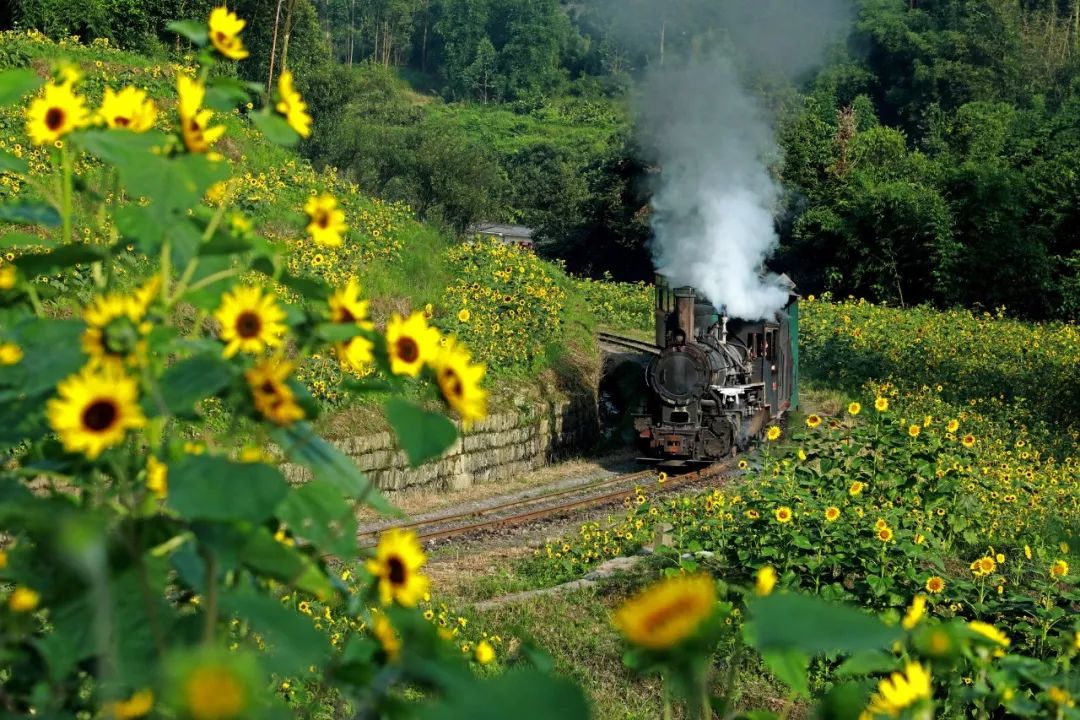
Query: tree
(481, 74)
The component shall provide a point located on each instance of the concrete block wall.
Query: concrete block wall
(504, 445)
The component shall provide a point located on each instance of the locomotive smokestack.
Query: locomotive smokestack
(684, 310)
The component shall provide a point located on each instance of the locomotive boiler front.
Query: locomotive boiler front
(683, 374)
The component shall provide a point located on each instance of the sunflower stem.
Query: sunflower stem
(210, 618)
(65, 197)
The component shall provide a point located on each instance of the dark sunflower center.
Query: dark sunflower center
(397, 570)
(100, 415)
(54, 118)
(221, 37)
(322, 219)
(122, 121)
(193, 126)
(268, 387)
(345, 315)
(248, 324)
(407, 350)
(660, 617)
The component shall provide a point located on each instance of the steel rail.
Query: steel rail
(628, 343)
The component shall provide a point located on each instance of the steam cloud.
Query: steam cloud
(713, 212)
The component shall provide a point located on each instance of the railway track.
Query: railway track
(627, 343)
(539, 507)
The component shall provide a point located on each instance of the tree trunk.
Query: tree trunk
(273, 46)
(288, 31)
(663, 31)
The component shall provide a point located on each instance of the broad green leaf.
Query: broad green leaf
(205, 487)
(318, 512)
(62, 257)
(138, 225)
(192, 380)
(800, 622)
(337, 332)
(10, 163)
(790, 667)
(274, 127)
(29, 212)
(265, 555)
(520, 694)
(302, 445)
(868, 662)
(225, 93)
(17, 84)
(51, 352)
(423, 435)
(224, 245)
(292, 643)
(194, 30)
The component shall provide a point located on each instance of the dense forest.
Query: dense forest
(933, 156)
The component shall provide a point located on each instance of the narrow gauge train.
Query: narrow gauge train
(717, 382)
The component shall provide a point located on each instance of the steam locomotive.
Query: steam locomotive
(716, 382)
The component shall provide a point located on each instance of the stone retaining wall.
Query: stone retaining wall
(504, 445)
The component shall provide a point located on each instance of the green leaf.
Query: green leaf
(191, 380)
(62, 257)
(194, 30)
(225, 93)
(308, 287)
(799, 622)
(17, 84)
(28, 212)
(10, 163)
(274, 127)
(51, 352)
(423, 435)
(868, 662)
(520, 694)
(304, 446)
(205, 487)
(790, 667)
(337, 332)
(292, 642)
(224, 245)
(318, 512)
(265, 555)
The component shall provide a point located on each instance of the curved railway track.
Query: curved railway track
(539, 507)
(627, 343)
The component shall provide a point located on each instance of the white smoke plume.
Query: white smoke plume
(714, 207)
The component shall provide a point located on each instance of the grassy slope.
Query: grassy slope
(398, 260)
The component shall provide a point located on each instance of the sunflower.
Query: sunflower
(773, 433)
(397, 562)
(832, 514)
(94, 409)
(783, 514)
(157, 477)
(983, 566)
(250, 321)
(484, 654)
(115, 327)
(881, 404)
(388, 638)
(10, 353)
(8, 275)
(764, 580)
(410, 343)
(292, 106)
(899, 691)
(990, 632)
(880, 523)
(813, 421)
(915, 612)
(193, 121)
(968, 440)
(139, 704)
(854, 408)
(1059, 569)
(885, 534)
(914, 431)
(346, 307)
(225, 29)
(23, 600)
(56, 113)
(215, 691)
(128, 109)
(952, 426)
(270, 394)
(668, 612)
(459, 380)
(935, 584)
(327, 221)
(464, 315)
(855, 489)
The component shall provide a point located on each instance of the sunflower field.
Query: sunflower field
(950, 511)
(151, 563)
